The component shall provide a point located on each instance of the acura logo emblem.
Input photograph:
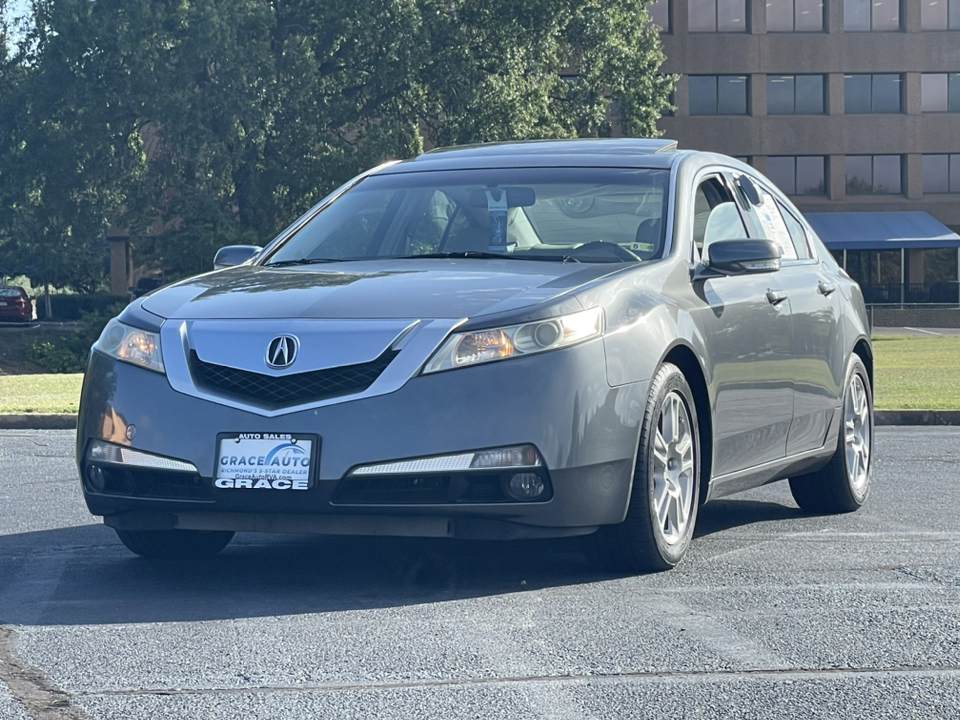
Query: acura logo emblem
(282, 351)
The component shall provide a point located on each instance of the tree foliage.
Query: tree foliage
(198, 123)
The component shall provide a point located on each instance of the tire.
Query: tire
(843, 484)
(175, 543)
(663, 505)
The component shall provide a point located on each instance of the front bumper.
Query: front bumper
(559, 402)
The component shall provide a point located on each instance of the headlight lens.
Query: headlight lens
(472, 348)
(130, 344)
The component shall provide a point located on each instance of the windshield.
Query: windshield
(581, 214)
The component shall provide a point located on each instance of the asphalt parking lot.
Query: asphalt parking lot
(773, 615)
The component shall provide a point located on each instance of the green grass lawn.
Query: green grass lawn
(40, 393)
(917, 373)
(911, 373)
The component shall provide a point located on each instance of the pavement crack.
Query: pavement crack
(41, 698)
(715, 675)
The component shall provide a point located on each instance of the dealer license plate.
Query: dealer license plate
(265, 461)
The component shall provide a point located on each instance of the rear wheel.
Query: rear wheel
(844, 483)
(175, 543)
(666, 485)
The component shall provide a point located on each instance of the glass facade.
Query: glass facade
(795, 94)
(940, 14)
(871, 15)
(874, 175)
(660, 14)
(798, 175)
(717, 15)
(872, 93)
(795, 15)
(718, 94)
(940, 92)
(941, 173)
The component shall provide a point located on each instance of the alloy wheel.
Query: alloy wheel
(857, 433)
(674, 454)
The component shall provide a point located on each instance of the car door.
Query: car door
(747, 333)
(817, 357)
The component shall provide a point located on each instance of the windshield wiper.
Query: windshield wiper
(490, 255)
(302, 261)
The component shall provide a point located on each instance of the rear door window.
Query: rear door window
(766, 221)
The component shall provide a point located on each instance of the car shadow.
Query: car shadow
(84, 576)
(719, 515)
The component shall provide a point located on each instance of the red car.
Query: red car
(15, 305)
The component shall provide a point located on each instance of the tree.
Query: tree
(65, 163)
(199, 123)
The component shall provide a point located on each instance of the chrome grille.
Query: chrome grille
(276, 392)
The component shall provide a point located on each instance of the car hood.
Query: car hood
(425, 288)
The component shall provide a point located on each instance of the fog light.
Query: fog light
(526, 486)
(96, 479)
(104, 452)
(509, 457)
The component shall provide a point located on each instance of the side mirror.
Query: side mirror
(740, 257)
(234, 255)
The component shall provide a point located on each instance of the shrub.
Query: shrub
(73, 307)
(54, 358)
(72, 356)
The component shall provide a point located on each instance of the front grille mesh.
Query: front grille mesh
(275, 392)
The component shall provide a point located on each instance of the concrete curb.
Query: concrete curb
(39, 421)
(917, 417)
(67, 421)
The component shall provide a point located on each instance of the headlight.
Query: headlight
(130, 344)
(471, 348)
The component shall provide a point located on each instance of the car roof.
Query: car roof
(587, 152)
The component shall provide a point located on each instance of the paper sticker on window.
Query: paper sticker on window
(773, 228)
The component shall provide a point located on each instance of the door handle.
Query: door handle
(775, 297)
(826, 288)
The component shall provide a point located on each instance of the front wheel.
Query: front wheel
(666, 485)
(843, 484)
(175, 543)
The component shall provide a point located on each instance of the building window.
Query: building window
(795, 94)
(798, 175)
(717, 15)
(941, 173)
(872, 93)
(874, 175)
(660, 14)
(940, 92)
(794, 16)
(718, 94)
(940, 15)
(871, 15)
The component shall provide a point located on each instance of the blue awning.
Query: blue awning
(882, 230)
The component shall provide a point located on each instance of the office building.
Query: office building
(848, 105)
